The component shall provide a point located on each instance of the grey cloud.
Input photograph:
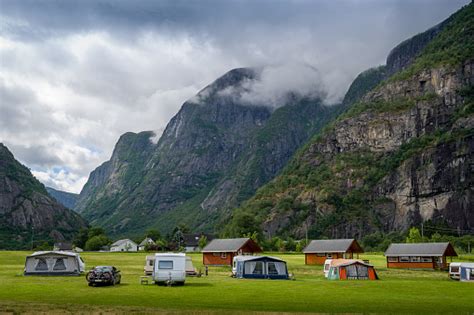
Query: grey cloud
(77, 74)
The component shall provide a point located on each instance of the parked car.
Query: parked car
(106, 275)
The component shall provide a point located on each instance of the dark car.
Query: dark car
(106, 275)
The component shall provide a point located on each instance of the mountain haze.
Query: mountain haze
(399, 156)
(214, 153)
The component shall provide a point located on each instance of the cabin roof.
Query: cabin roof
(333, 246)
(193, 239)
(230, 245)
(63, 246)
(421, 249)
(146, 241)
(120, 242)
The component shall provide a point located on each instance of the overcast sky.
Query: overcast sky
(75, 75)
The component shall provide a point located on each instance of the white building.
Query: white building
(145, 242)
(125, 245)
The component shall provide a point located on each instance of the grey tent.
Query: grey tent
(54, 263)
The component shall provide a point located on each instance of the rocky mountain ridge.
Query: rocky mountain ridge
(214, 153)
(400, 156)
(27, 212)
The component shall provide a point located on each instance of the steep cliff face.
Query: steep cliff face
(214, 153)
(26, 207)
(401, 155)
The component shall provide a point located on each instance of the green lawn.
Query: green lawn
(398, 291)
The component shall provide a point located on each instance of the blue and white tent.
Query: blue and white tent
(259, 267)
(466, 272)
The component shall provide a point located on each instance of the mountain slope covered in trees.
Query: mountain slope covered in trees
(401, 155)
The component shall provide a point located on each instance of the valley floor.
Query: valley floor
(397, 291)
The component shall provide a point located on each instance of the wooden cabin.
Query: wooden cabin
(220, 252)
(419, 255)
(318, 251)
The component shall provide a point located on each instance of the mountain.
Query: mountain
(401, 155)
(26, 208)
(214, 153)
(67, 199)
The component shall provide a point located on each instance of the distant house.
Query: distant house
(125, 245)
(62, 246)
(145, 242)
(220, 252)
(419, 255)
(318, 251)
(191, 241)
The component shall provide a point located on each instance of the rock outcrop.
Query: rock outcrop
(26, 208)
(403, 154)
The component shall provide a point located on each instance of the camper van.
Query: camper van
(150, 262)
(461, 271)
(327, 266)
(454, 270)
(54, 263)
(169, 268)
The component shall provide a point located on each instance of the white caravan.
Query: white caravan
(454, 270)
(327, 266)
(169, 268)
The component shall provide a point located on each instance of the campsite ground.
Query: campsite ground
(398, 291)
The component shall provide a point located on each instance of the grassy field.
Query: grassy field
(397, 291)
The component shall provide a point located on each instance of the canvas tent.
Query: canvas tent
(318, 251)
(351, 269)
(54, 263)
(466, 272)
(260, 267)
(419, 255)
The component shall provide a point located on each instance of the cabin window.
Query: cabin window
(392, 259)
(329, 256)
(404, 259)
(426, 259)
(165, 264)
(59, 264)
(223, 255)
(439, 260)
(321, 255)
(41, 265)
(415, 259)
(216, 254)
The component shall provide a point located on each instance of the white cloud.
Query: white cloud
(75, 77)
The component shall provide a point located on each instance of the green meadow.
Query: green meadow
(397, 291)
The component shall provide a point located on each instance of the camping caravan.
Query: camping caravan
(169, 268)
(327, 266)
(454, 270)
(351, 269)
(466, 272)
(149, 263)
(259, 267)
(54, 263)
